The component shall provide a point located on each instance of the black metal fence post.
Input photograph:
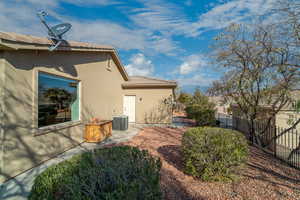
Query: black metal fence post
(286, 147)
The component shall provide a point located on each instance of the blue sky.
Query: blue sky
(158, 38)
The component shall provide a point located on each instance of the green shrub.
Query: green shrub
(115, 173)
(201, 109)
(203, 116)
(213, 154)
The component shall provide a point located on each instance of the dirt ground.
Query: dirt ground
(264, 177)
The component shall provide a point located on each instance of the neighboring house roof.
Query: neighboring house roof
(295, 95)
(147, 82)
(14, 41)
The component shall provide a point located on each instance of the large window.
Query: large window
(58, 100)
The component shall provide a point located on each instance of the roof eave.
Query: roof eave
(139, 86)
(119, 64)
(4, 45)
(33, 46)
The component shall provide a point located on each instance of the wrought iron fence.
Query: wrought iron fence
(225, 121)
(284, 146)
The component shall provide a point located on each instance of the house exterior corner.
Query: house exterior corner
(46, 98)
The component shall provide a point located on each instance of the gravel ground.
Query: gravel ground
(263, 177)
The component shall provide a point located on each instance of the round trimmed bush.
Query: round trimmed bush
(115, 173)
(213, 154)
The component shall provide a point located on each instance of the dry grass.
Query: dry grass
(264, 177)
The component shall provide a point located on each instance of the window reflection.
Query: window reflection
(58, 100)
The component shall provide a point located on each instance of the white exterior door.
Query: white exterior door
(129, 107)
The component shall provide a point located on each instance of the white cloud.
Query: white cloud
(105, 32)
(21, 18)
(44, 3)
(139, 65)
(153, 28)
(188, 2)
(164, 45)
(92, 2)
(169, 19)
(192, 63)
(164, 17)
(196, 80)
(235, 11)
(196, 70)
(55, 3)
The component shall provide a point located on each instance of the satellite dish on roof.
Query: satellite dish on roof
(56, 32)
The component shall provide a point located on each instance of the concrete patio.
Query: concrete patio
(19, 187)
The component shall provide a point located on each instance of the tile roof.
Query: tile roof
(142, 81)
(10, 38)
(15, 41)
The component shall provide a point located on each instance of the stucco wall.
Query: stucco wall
(290, 139)
(283, 117)
(101, 96)
(150, 106)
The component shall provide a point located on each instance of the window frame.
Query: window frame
(54, 127)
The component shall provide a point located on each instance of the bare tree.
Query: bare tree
(289, 14)
(261, 70)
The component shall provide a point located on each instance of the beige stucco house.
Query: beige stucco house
(221, 105)
(47, 97)
(282, 118)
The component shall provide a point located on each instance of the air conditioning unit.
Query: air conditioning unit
(120, 122)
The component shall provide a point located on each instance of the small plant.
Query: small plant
(115, 173)
(213, 154)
